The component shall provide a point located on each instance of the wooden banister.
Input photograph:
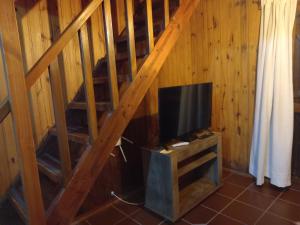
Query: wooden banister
(110, 55)
(51, 54)
(60, 120)
(149, 24)
(131, 39)
(18, 94)
(91, 164)
(4, 109)
(88, 83)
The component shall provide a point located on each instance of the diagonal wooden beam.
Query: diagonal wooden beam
(64, 209)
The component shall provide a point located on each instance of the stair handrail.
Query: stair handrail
(68, 202)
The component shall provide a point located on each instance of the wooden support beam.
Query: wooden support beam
(166, 13)
(110, 54)
(92, 162)
(21, 113)
(88, 83)
(60, 120)
(131, 39)
(149, 23)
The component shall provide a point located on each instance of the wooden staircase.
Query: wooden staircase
(76, 149)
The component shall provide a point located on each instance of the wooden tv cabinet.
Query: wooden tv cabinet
(177, 179)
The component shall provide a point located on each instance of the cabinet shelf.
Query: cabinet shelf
(195, 164)
(193, 194)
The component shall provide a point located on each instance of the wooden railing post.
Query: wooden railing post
(151, 98)
(88, 83)
(166, 13)
(131, 39)
(60, 120)
(21, 113)
(110, 55)
(149, 24)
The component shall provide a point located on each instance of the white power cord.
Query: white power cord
(124, 201)
(123, 154)
(119, 144)
(126, 139)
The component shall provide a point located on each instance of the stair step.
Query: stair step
(77, 137)
(140, 35)
(103, 79)
(123, 56)
(50, 167)
(17, 200)
(100, 106)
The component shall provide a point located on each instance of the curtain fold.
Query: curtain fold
(271, 148)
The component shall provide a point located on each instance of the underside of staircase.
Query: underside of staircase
(56, 191)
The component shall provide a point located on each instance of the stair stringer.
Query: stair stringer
(68, 202)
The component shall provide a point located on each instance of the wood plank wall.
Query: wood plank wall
(220, 46)
(67, 11)
(35, 37)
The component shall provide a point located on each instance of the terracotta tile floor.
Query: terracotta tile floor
(238, 202)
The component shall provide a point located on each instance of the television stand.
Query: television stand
(179, 178)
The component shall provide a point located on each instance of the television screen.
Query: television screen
(183, 110)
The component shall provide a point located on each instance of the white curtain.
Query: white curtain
(271, 149)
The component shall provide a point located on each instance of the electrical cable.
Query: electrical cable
(124, 201)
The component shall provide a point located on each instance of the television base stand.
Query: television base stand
(179, 178)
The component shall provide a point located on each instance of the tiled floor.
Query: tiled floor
(238, 202)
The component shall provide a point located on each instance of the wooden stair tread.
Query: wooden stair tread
(74, 136)
(100, 106)
(140, 34)
(50, 167)
(17, 200)
(104, 79)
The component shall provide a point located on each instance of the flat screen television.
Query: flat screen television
(184, 110)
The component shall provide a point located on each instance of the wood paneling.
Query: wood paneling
(220, 46)
(67, 11)
(35, 38)
(119, 17)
